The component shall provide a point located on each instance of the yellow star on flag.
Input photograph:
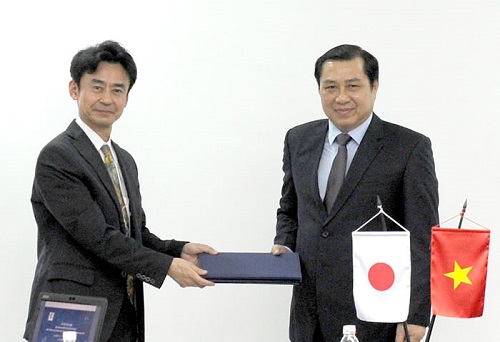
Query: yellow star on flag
(459, 275)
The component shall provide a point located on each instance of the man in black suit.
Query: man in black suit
(92, 234)
(383, 160)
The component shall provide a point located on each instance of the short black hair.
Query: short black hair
(348, 52)
(87, 60)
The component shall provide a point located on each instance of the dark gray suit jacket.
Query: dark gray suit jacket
(392, 162)
(82, 248)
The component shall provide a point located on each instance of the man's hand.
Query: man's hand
(416, 332)
(279, 249)
(191, 251)
(184, 270)
(187, 274)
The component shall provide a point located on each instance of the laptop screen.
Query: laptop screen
(61, 312)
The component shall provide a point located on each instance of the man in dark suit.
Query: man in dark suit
(92, 234)
(383, 160)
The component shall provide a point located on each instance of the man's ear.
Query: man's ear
(73, 90)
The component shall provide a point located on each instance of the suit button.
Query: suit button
(325, 234)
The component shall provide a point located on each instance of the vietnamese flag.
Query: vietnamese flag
(381, 275)
(459, 263)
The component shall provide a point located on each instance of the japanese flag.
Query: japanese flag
(382, 274)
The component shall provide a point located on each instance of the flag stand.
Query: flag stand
(382, 215)
(407, 333)
(433, 319)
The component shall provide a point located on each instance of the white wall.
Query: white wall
(219, 84)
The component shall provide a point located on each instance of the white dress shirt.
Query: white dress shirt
(98, 142)
(330, 151)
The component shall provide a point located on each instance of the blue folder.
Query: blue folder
(252, 268)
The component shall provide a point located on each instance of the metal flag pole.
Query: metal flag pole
(462, 213)
(384, 228)
(433, 319)
(431, 325)
(382, 217)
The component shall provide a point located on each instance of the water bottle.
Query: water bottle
(349, 332)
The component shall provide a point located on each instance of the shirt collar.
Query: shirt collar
(356, 134)
(93, 136)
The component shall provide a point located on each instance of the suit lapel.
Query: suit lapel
(369, 148)
(88, 152)
(315, 149)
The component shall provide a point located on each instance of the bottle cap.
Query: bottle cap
(349, 329)
(69, 336)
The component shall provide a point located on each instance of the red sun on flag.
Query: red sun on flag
(381, 276)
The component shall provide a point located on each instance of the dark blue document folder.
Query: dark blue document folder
(252, 268)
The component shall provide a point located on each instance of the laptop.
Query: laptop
(57, 313)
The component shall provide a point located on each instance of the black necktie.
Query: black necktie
(337, 173)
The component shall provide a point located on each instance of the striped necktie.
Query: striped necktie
(337, 173)
(113, 173)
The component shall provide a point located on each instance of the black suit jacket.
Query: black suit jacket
(82, 248)
(392, 162)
